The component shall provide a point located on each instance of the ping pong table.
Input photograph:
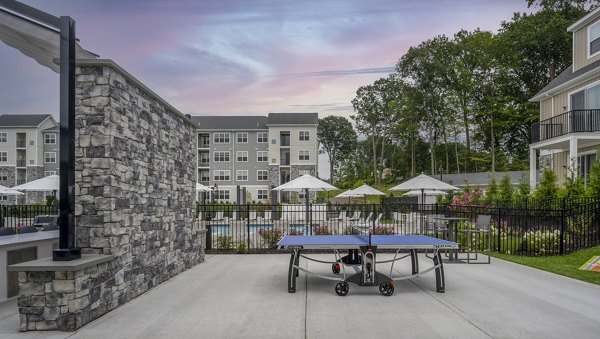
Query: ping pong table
(362, 253)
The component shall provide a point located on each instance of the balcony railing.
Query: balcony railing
(21, 181)
(21, 163)
(21, 143)
(581, 120)
(285, 140)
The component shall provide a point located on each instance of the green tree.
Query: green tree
(593, 187)
(548, 188)
(561, 5)
(337, 139)
(524, 189)
(491, 194)
(505, 191)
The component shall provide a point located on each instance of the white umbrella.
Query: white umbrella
(306, 183)
(9, 191)
(202, 188)
(366, 190)
(424, 182)
(49, 183)
(416, 193)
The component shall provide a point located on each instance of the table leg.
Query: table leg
(414, 259)
(440, 283)
(293, 271)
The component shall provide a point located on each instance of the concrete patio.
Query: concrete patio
(235, 296)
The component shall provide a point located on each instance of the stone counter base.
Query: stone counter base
(68, 300)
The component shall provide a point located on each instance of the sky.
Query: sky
(246, 57)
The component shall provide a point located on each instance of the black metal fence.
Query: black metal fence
(16, 216)
(516, 229)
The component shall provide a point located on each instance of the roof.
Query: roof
(231, 122)
(293, 119)
(585, 20)
(566, 77)
(22, 120)
(51, 129)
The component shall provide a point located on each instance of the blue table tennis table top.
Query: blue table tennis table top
(356, 241)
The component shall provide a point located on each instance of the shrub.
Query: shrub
(322, 230)
(542, 243)
(270, 236)
(241, 248)
(224, 242)
(294, 231)
(548, 187)
(505, 192)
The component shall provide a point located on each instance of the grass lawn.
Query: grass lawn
(567, 265)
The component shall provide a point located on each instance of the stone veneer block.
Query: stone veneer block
(135, 193)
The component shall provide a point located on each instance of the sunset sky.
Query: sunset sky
(238, 57)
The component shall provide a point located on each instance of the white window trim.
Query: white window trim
(50, 143)
(49, 162)
(237, 176)
(258, 177)
(308, 133)
(5, 134)
(303, 150)
(258, 194)
(267, 157)
(237, 156)
(223, 133)
(241, 142)
(589, 41)
(218, 195)
(593, 84)
(228, 172)
(2, 155)
(47, 173)
(262, 142)
(223, 152)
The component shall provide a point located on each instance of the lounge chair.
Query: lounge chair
(7, 231)
(27, 229)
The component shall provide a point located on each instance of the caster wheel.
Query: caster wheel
(342, 289)
(386, 289)
(335, 267)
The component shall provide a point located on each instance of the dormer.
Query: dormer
(586, 40)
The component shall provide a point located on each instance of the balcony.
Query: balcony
(576, 121)
(21, 181)
(21, 163)
(21, 143)
(204, 162)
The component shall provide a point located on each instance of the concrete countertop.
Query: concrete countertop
(46, 264)
(15, 239)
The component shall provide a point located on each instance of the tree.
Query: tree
(337, 139)
(561, 5)
(524, 189)
(505, 192)
(491, 195)
(548, 188)
(593, 187)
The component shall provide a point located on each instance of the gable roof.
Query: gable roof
(568, 78)
(23, 120)
(293, 119)
(231, 122)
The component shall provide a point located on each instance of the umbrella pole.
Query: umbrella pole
(308, 214)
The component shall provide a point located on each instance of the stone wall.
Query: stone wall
(135, 195)
(34, 173)
(11, 180)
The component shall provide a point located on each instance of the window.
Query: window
(50, 157)
(593, 40)
(241, 156)
(241, 175)
(47, 173)
(50, 139)
(3, 137)
(221, 138)
(262, 156)
(303, 155)
(221, 175)
(262, 175)
(3, 175)
(222, 195)
(4, 197)
(584, 166)
(3, 156)
(304, 135)
(242, 137)
(263, 195)
(262, 137)
(221, 156)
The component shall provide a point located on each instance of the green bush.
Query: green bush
(542, 243)
(322, 230)
(241, 248)
(548, 188)
(224, 242)
(270, 236)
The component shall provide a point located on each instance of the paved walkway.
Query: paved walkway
(245, 296)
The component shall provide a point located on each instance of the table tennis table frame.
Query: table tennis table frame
(294, 267)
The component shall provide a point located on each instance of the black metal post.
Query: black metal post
(67, 250)
(562, 228)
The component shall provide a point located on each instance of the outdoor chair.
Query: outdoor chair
(341, 216)
(41, 220)
(7, 231)
(50, 228)
(482, 226)
(27, 229)
(434, 226)
(378, 219)
(267, 216)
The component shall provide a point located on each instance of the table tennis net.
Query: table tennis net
(362, 234)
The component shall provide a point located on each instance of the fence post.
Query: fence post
(561, 246)
(248, 226)
(499, 231)
(208, 236)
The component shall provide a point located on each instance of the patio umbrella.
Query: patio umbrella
(366, 190)
(202, 188)
(424, 182)
(416, 193)
(306, 183)
(348, 194)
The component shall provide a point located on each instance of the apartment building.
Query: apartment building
(255, 153)
(567, 136)
(29, 149)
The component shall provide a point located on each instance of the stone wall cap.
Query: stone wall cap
(112, 64)
(18, 239)
(47, 265)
